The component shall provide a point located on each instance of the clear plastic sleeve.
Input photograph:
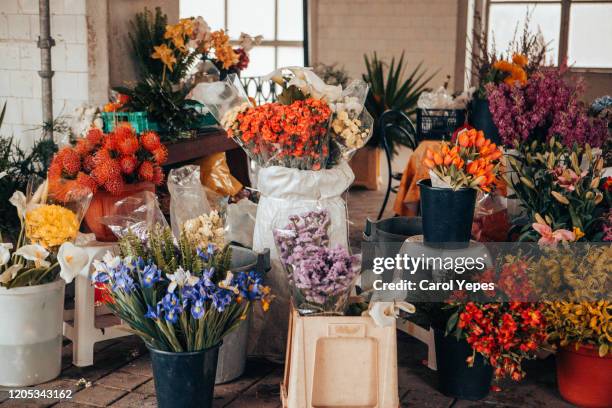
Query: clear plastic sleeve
(187, 196)
(49, 221)
(352, 125)
(240, 222)
(321, 277)
(491, 221)
(137, 214)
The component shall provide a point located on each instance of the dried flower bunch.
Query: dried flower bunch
(560, 189)
(470, 161)
(321, 277)
(108, 162)
(178, 298)
(205, 229)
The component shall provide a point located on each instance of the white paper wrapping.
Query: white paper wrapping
(284, 192)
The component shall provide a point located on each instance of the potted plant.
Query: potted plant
(561, 191)
(457, 170)
(181, 300)
(523, 57)
(32, 281)
(391, 90)
(167, 56)
(577, 318)
(113, 166)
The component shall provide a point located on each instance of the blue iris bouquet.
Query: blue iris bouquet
(177, 297)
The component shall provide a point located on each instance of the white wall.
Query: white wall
(20, 85)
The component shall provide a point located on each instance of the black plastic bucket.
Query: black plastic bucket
(185, 380)
(394, 229)
(482, 119)
(447, 215)
(455, 378)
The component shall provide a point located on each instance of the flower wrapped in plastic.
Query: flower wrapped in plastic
(44, 249)
(321, 277)
(311, 126)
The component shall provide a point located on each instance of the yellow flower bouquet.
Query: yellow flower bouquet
(44, 249)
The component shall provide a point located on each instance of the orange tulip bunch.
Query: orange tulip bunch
(470, 161)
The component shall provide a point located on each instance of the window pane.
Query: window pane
(261, 62)
(212, 11)
(506, 19)
(290, 21)
(590, 35)
(290, 56)
(251, 17)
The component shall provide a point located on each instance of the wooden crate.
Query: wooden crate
(339, 361)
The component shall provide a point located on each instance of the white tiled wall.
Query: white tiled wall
(20, 85)
(425, 29)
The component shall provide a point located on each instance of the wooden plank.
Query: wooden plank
(200, 146)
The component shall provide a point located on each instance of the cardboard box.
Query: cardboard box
(339, 361)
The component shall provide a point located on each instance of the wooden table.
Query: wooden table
(208, 142)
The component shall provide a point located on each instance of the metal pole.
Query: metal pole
(45, 42)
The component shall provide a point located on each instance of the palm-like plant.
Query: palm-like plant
(390, 91)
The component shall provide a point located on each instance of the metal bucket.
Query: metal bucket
(384, 238)
(233, 352)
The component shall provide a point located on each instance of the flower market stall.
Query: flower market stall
(237, 278)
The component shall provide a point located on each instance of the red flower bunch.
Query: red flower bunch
(108, 161)
(470, 161)
(503, 333)
(291, 135)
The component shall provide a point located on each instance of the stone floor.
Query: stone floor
(121, 376)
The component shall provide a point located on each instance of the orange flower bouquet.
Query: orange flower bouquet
(470, 161)
(108, 162)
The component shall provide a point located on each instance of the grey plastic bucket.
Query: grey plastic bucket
(233, 352)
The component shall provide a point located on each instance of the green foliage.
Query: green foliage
(146, 31)
(392, 89)
(168, 107)
(533, 178)
(19, 166)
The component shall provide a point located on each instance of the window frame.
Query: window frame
(275, 42)
(563, 26)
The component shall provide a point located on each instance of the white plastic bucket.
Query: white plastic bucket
(31, 334)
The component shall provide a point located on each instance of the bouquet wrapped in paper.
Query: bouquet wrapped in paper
(311, 126)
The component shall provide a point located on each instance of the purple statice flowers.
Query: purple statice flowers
(548, 105)
(321, 276)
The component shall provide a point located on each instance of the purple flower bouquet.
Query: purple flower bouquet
(321, 277)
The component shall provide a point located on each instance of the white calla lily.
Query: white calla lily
(35, 253)
(18, 199)
(383, 313)
(5, 253)
(72, 260)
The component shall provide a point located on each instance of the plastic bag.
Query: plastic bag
(352, 125)
(223, 98)
(321, 277)
(187, 196)
(215, 174)
(240, 222)
(138, 214)
(491, 223)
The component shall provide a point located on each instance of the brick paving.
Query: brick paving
(121, 376)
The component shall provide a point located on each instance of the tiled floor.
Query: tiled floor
(122, 377)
